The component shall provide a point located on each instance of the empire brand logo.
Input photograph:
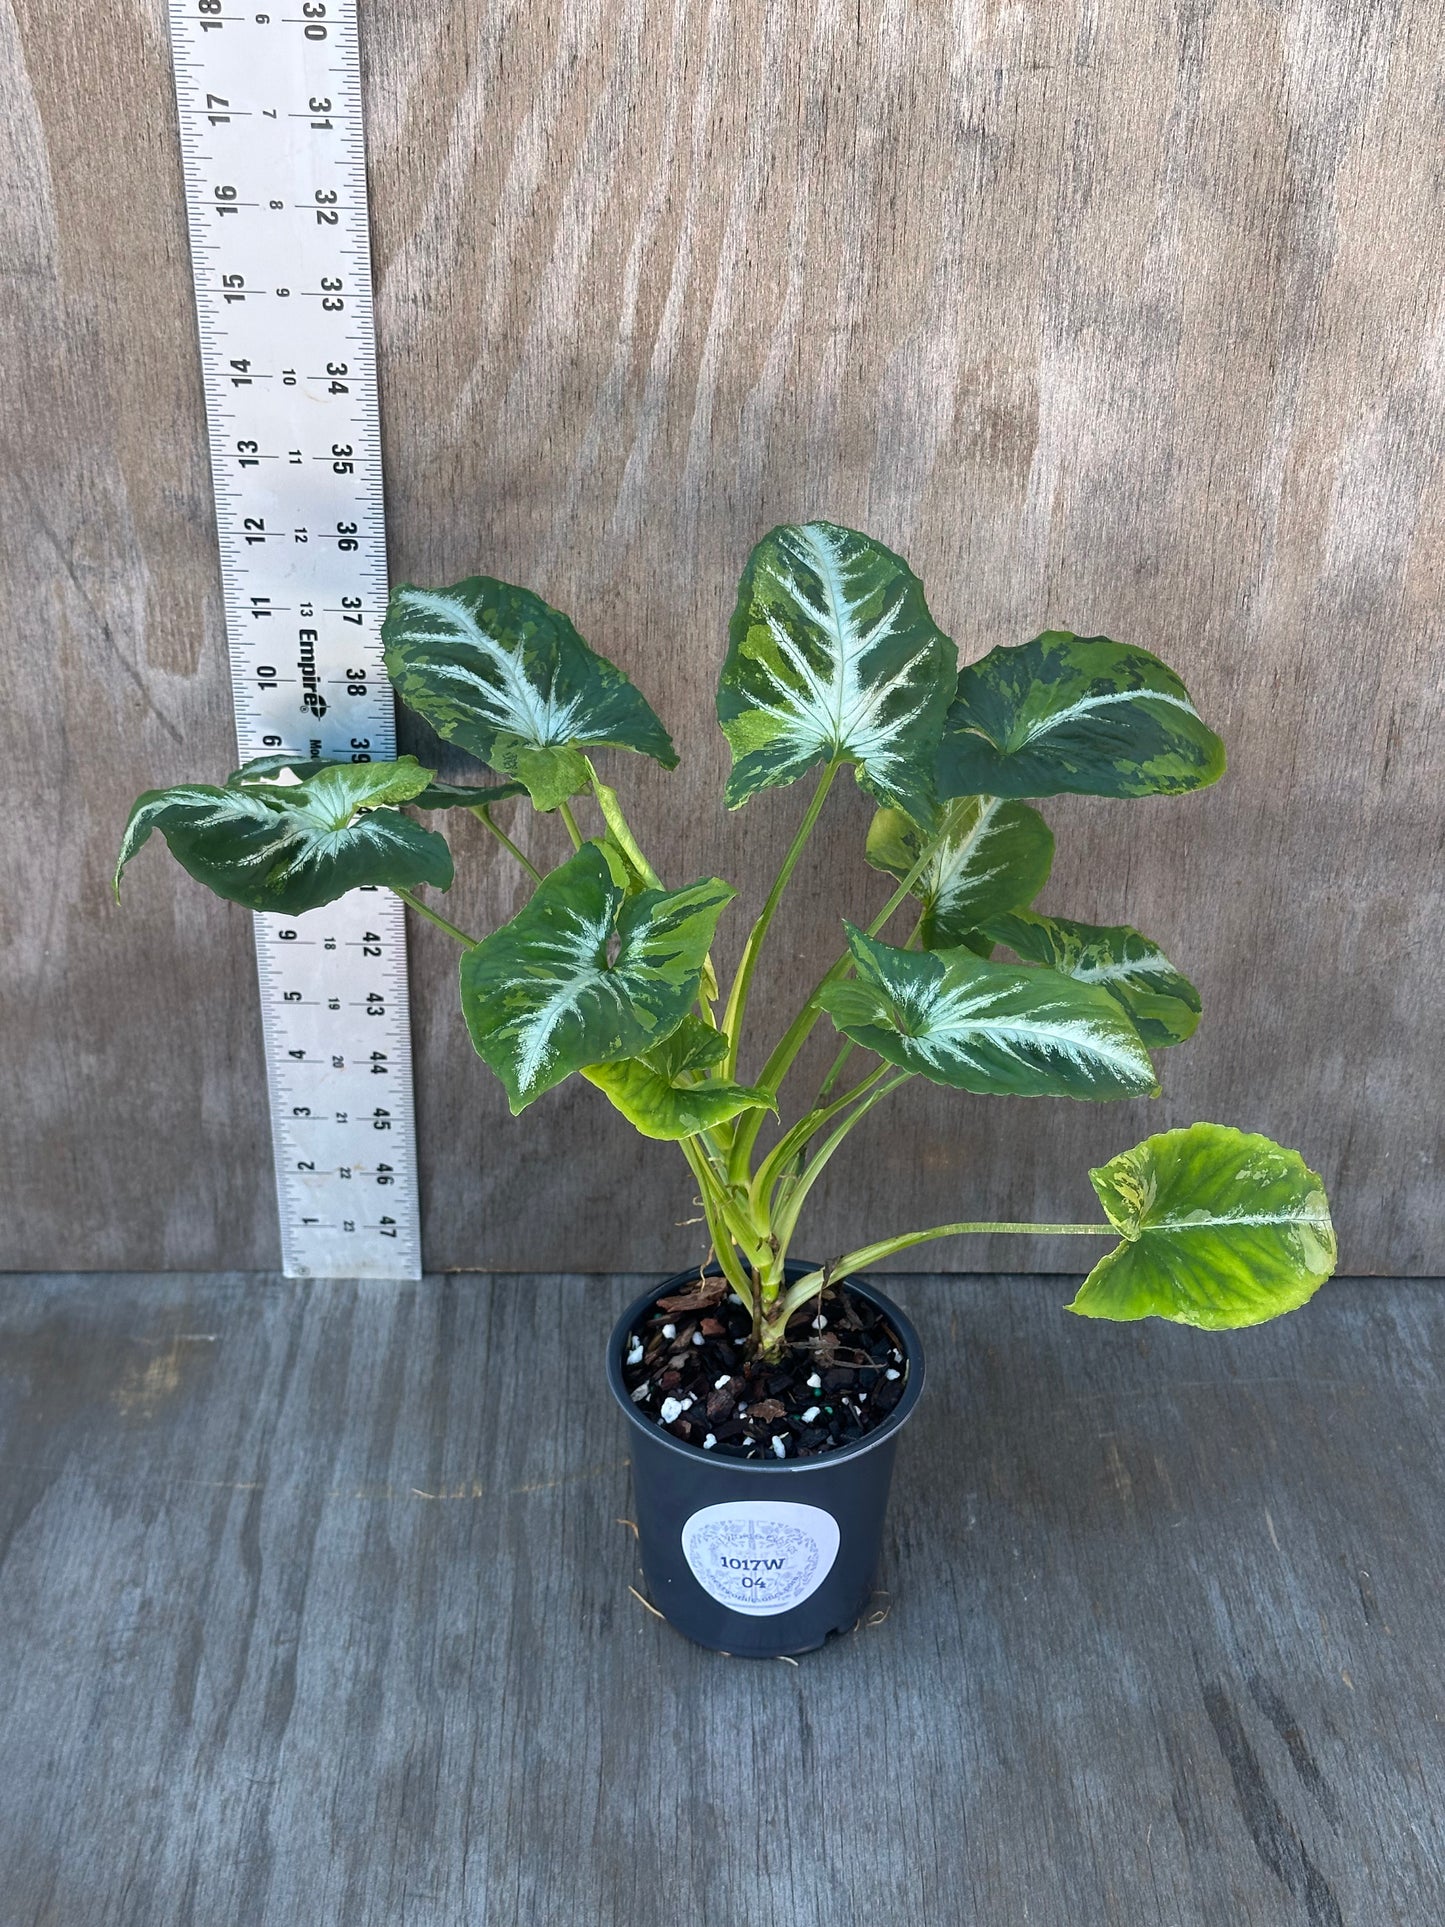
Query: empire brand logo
(311, 696)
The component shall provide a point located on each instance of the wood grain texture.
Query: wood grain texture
(1127, 319)
(309, 1613)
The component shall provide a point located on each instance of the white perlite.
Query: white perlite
(698, 1339)
(669, 1331)
(722, 1383)
(815, 1383)
(709, 1442)
(780, 1448)
(812, 1412)
(890, 1373)
(671, 1408)
(634, 1356)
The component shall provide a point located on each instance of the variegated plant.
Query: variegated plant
(833, 659)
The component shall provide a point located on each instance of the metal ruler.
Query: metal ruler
(275, 180)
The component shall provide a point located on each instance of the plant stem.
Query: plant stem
(836, 1067)
(874, 1254)
(798, 1032)
(788, 1217)
(570, 820)
(724, 1249)
(738, 996)
(622, 835)
(483, 814)
(622, 831)
(795, 1139)
(412, 903)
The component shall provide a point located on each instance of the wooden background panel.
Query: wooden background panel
(1125, 319)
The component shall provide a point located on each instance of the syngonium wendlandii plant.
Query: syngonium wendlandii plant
(833, 659)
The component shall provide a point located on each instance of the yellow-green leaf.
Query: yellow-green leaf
(1221, 1228)
(666, 1094)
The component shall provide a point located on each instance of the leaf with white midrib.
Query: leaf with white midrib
(261, 772)
(542, 997)
(275, 842)
(833, 657)
(1221, 1228)
(1082, 715)
(990, 855)
(980, 1026)
(492, 667)
(1162, 1003)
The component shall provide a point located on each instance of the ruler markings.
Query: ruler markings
(275, 173)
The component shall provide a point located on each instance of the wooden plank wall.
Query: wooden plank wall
(1127, 318)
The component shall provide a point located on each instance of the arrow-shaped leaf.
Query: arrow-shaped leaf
(292, 845)
(989, 856)
(1082, 715)
(981, 1026)
(1221, 1228)
(585, 974)
(660, 1093)
(492, 667)
(1163, 1004)
(833, 656)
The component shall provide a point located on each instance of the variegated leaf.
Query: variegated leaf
(1067, 714)
(661, 1093)
(1163, 1004)
(492, 667)
(287, 844)
(466, 796)
(981, 1026)
(585, 974)
(833, 656)
(436, 796)
(989, 855)
(1221, 1228)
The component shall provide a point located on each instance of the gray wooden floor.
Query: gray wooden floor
(309, 1615)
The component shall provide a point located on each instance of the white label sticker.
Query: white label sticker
(760, 1555)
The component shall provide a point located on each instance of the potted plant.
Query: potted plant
(763, 1396)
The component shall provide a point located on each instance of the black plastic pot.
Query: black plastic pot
(752, 1557)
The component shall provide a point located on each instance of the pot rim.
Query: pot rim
(761, 1468)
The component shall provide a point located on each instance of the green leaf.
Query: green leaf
(1163, 1005)
(1075, 715)
(262, 770)
(466, 796)
(659, 1095)
(981, 1026)
(545, 995)
(990, 856)
(492, 667)
(273, 841)
(833, 656)
(1221, 1228)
